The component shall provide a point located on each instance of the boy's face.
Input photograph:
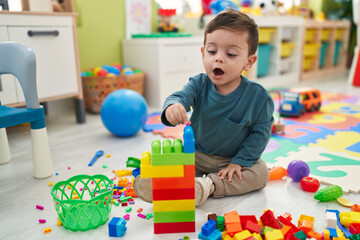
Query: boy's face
(225, 55)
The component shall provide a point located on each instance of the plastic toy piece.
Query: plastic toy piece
(242, 235)
(187, 181)
(354, 228)
(148, 171)
(47, 230)
(268, 219)
(117, 227)
(212, 216)
(149, 215)
(174, 227)
(209, 231)
(189, 140)
(276, 234)
(127, 217)
(59, 223)
(355, 208)
(253, 227)
(141, 215)
(174, 216)
(277, 173)
(344, 202)
(170, 205)
(42, 220)
(97, 155)
(329, 193)
(331, 220)
(136, 172)
(349, 217)
(220, 223)
(309, 184)
(133, 162)
(232, 223)
(300, 235)
(339, 224)
(245, 218)
(40, 207)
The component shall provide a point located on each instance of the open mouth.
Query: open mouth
(218, 72)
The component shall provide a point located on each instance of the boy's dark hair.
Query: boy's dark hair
(237, 22)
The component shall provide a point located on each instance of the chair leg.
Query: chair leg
(41, 153)
(4, 147)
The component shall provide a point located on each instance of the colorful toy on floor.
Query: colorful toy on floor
(277, 173)
(117, 227)
(93, 206)
(97, 155)
(172, 169)
(298, 169)
(328, 193)
(299, 100)
(309, 184)
(124, 112)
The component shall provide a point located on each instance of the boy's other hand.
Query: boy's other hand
(176, 114)
(229, 171)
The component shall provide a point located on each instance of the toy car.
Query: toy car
(299, 100)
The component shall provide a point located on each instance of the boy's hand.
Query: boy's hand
(176, 114)
(229, 171)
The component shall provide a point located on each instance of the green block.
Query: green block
(174, 216)
(300, 235)
(133, 162)
(266, 229)
(116, 203)
(128, 209)
(167, 159)
(220, 223)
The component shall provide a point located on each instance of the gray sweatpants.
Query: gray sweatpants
(253, 178)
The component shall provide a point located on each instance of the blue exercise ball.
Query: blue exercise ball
(123, 112)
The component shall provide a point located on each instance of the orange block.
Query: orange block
(188, 181)
(285, 229)
(312, 234)
(232, 223)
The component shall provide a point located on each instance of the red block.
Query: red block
(188, 181)
(252, 227)
(354, 228)
(245, 218)
(173, 194)
(175, 227)
(268, 219)
(288, 223)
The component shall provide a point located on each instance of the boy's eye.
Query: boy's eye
(231, 55)
(211, 51)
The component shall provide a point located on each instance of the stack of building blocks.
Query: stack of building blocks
(172, 169)
(117, 227)
(209, 231)
(270, 227)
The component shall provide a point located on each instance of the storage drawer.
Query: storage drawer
(55, 58)
(179, 58)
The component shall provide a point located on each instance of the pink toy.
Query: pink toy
(42, 221)
(127, 217)
(141, 215)
(40, 207)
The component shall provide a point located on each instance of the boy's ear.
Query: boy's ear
(202, 51)
(251, 60)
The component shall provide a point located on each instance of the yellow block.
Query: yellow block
(242, 235)
(326, 234)
(174, 205)
(276, 234)
(257, 236)
(148, 171)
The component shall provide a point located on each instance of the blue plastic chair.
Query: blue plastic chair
(18, 60)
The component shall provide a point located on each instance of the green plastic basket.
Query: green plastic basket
(92, 206)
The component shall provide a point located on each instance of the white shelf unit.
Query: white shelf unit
(275, 77)
(168, 63)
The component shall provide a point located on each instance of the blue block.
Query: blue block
(120, 227)
(117, 227)
(215, 235)
(208, 227)
(112, 226)
(346, 232)
(136, 172)
(189, 140)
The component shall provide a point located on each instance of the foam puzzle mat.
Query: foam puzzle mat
(328, 140)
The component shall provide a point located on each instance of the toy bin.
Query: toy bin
(286, 49)
(337, 51)
(307, 63)
(310, 35)
(265, 35)
(325, 34)
(97, 88)
(311, 49)
(264, 54)
(338, 34)
(83, 202)
(323, 48)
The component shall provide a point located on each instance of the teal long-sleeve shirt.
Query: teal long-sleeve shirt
(236, 125)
